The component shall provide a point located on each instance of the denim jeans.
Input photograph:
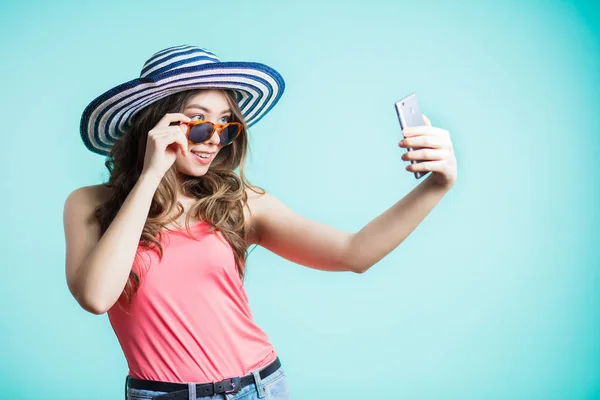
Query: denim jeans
(273, 387)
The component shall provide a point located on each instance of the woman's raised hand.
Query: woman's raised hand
(163, 143)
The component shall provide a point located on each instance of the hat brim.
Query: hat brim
(258, 87)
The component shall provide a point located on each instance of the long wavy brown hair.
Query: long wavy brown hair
(220, 193)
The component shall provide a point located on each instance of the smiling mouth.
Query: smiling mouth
(202, 157)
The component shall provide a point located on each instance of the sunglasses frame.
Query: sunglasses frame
(216, 127)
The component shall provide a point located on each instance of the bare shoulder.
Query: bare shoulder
(252, 211)
(85, 199)
(259, 202)
(82, 230)
(253, 196)
(79, 208)
(96, 193)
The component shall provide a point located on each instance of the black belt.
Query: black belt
(179, 391)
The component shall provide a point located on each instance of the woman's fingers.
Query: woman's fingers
(425, 154)
(174, 136)
(433, 166)
(162, 144)
(424, 130)
(167, 119)
(433, 141)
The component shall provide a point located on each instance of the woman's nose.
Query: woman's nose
(214, 139)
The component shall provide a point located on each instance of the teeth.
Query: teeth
(201, 155)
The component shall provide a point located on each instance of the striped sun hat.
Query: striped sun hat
(175, 69)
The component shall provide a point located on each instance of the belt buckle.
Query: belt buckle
(235, 384)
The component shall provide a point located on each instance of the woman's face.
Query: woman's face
(209, 105)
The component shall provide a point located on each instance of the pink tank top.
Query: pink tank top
(190, 320)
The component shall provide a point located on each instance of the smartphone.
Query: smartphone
(409, 114)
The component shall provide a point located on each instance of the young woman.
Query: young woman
(161, 247)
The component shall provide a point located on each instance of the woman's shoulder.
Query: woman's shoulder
(254, 199)
(260, 205)
(87, 198)
(79, 211)
(251, 209)
(261, 201)
(98, 193)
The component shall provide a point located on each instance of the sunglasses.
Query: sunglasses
(200, 131)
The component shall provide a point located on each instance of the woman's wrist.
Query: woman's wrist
(149, 179)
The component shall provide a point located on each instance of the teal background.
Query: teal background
(496, 295)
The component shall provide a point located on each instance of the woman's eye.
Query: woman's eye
(200, 117)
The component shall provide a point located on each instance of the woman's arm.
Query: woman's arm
(97, 267)
(384, 233)
(323, 247)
